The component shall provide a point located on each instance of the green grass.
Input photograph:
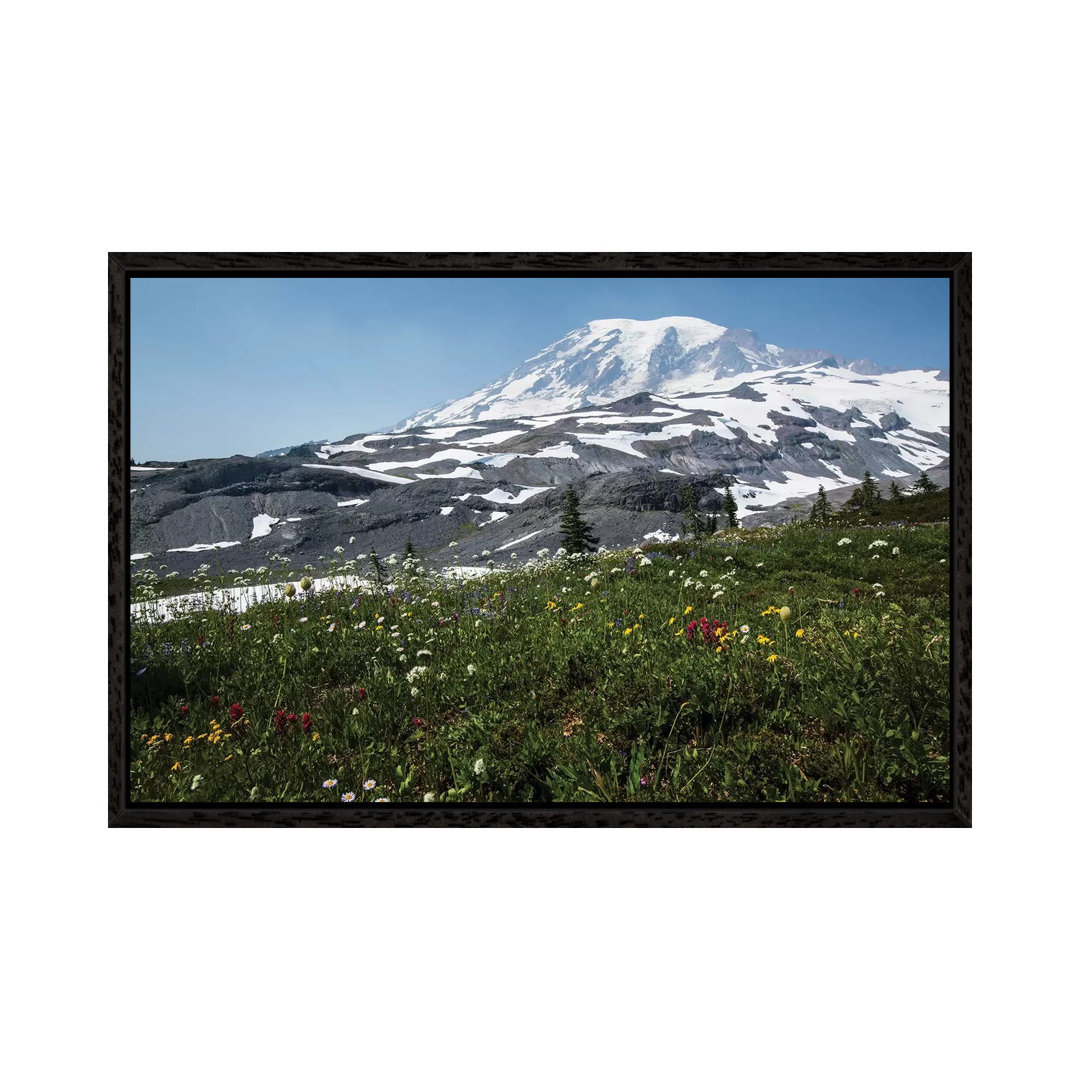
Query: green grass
(539, 686)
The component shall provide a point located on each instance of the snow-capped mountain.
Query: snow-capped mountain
(631, 413)
(610, 359)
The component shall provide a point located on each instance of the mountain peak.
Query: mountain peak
(609, 359)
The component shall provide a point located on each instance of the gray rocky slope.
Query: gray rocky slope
(487, 474)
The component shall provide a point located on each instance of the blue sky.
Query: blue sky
(224, 366)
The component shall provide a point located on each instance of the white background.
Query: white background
(561, 126)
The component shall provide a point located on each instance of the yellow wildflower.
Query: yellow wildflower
(800, 632)
(763, 640)
(229, 757)
(189, 740)
(176, 767)
(689, 608)
(772, 658)
(627, 631)
(610, 625)
(168, 738)
(552, 605)
(671, 620)
(314, 736)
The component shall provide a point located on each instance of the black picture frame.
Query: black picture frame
(952, 265)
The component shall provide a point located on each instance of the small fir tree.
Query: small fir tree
(894, 491)
(410, 551)
(695, 524)
(576, 537)
(924, 485)
(820, 511)
(729, 507)
(869, 494)
(377, 571)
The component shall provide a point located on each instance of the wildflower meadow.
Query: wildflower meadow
(802, 664)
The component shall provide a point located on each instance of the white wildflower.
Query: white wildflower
(843, 540)
(478, 766)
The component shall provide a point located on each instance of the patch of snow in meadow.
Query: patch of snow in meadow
(347, 502)
(151, 468)
(141, 555)
(294, 519)
(260, 525)
(446, 510)
(520, 540)
(465, 571)
(208, 547)
(807, 445)
(496, 515)
(672, 471)
(895, 472)
(357, 471)
(238, 599)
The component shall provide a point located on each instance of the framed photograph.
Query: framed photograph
(493, 540)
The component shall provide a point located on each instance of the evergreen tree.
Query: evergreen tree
(869, 494)
(729, 506)
(820, 511)
(695, 524)
(376, 568)
(895, 492)
(924, 485)
(410, 551)
(576, 537)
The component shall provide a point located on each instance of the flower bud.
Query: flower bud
(290, 590)
(305, 583)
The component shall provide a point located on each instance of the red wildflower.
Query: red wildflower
(361, 693)
(855, 591)
(306, 721)
(236, 711)
(214, 700)
(183, 709)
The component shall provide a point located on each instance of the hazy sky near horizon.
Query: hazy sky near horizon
(223, 366)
